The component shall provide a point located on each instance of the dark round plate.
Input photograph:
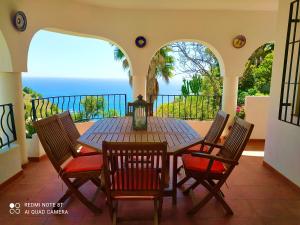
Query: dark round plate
(140, 41)
(20, 21)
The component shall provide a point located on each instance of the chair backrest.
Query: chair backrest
(54, 140)
(134, 168)
(237, 139)
(217, 127)
(69, 127)
(130, 109)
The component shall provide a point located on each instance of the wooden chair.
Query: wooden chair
(74, 171)
(73, 134)
(212, 137)
(141, 179)
(130, 109)
(212, 171)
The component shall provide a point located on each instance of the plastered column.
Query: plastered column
(139, 85)
(140, 65)
(11, 92)
(230, 94)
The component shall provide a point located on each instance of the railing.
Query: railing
(89, 107)
(7, 125)
(191, 107)
(81, 107)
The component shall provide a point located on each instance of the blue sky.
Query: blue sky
(59, 55)
(54, 54)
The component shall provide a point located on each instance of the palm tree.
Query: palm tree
(161, 66)
(119, 56)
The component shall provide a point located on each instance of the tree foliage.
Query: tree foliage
(161, 66)
(256, 79)
(195, 84)
(92, 106)
(120, 56)
(31, 92)
(190, 107)
(198, 62)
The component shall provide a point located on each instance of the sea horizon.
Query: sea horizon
(64, 86)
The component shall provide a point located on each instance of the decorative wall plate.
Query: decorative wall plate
(20, 21)
(239, 41)
(140, 41)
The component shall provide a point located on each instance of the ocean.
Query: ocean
(50, 87)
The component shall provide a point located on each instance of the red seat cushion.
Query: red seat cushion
(84, 163)
(87, 151)
(137, 179)
(196, 148)
(200, 164)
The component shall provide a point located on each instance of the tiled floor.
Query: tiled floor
(257, 195)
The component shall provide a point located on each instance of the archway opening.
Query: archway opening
(74, 73)
(185, 81)
(256, 79)
(60, 55)
(254, 89)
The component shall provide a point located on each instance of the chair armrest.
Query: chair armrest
(215, 145)
(199, 142)
(214, 157)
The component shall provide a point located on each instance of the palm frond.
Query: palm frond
(118, 54)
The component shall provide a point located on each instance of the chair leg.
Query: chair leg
(212, 183)
(115, 213)
(80, 196)
(182, 181)
(218, 194)
(76, 183)
(62, 199)
(161, 200)
(179, 169)
(96, 181)
(214, 192)
(156, 213)
(192, 187)
(174, 181)
(227, 208)
(200, 204)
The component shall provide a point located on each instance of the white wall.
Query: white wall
(282, 150)
(11, 92)
(34, 147)
(10, 162)
(5, 60)
(215, 28)
(257, 112)
(10, 158)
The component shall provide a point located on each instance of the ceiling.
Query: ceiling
(270, 5)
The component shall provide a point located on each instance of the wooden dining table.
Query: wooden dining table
(177, 133)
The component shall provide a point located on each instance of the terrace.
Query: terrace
(252, 199)
(263, 189)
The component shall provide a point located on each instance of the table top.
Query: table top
(177, 133)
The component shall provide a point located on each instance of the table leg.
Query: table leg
(174, 183)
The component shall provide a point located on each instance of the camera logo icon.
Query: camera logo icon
(14, 208)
